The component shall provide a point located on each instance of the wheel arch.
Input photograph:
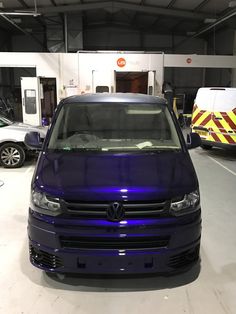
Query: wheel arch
(22, 144)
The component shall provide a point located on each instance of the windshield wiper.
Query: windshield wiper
(163, 149)
(81, 149)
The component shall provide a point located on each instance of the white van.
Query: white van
(214, 116)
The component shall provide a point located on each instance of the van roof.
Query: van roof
(115, 97)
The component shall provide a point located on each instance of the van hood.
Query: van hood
(115, 177)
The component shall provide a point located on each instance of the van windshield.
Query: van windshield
(114, 126)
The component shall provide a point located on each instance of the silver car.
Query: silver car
(12, 148)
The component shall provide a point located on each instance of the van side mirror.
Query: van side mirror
(33, 140)
(193, 140)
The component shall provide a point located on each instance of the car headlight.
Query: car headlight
(45, 204)
(189, 204)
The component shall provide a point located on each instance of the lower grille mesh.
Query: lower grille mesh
(184, 258)
(114, 243)
(44, 259)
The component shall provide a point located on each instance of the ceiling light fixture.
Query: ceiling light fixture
(17, 20)
(232, 4)
(209, 20)
(19, 13)
(16, 12)
(190, 33)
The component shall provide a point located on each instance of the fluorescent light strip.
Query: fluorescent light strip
(20, 13)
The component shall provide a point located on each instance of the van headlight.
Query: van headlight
(45, 204)
(189, 204)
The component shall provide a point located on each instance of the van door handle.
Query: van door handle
(217, 118)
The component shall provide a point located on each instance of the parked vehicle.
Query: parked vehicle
(12, 148)
(114, 190)
(214, 117)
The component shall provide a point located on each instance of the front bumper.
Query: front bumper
(208, 138)
(219, 144)
(48, 252)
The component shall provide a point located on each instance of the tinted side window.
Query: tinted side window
(102, 89)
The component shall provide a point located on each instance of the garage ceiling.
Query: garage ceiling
(191, 18)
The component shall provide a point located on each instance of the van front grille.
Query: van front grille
(114, 243)
(132, 209)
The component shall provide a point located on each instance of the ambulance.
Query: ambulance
(214, 117)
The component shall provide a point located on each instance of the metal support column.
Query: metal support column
(66, 32)
(233, 75)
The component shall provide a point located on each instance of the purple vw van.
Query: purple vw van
(114, 190)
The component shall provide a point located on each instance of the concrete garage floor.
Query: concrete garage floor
(24, 289)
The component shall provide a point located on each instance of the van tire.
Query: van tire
(18, 155)
(206, 147)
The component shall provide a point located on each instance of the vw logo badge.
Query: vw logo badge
(115, 212)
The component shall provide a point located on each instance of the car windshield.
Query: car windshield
(114, 126)
(4, 121)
